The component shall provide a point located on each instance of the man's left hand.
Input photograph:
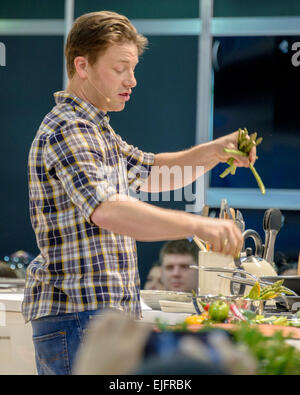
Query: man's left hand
(230, 141)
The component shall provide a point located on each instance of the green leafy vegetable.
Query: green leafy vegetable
(245, 144)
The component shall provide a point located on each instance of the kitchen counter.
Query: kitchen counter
(151, 316)
(17, 350)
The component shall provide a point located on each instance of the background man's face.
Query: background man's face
(176, 273)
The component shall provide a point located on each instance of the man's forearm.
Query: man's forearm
(142, 221)
(182, 167)
(200, 155)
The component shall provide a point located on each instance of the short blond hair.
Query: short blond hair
(92, 33)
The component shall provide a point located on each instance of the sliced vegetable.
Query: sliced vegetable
(236, 312)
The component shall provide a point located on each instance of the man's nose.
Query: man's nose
(130, 81)
(176, 271)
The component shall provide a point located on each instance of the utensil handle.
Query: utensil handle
(267, 240)
(270, 246)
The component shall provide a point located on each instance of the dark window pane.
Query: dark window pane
(32, 73)
(256, 86)
(244, 8)
(32, 9)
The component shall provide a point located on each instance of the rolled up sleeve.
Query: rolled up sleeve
(76, 153)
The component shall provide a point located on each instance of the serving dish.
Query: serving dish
(171, 306)
(152, 297)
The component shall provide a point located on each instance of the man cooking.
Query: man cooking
(80, 172)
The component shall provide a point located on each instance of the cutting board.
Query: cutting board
(267, 330)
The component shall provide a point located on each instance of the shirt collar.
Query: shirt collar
(92, 112)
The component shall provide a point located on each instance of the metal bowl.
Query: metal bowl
(257, 306)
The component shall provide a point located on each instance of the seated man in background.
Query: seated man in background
(175, 257)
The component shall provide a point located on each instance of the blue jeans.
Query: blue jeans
(56, 340)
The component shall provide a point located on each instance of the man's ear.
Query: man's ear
(81, 66)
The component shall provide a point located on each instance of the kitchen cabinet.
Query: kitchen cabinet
(17, 350)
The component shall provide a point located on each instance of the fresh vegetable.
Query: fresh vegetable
(255, 291)
(218, 311)
(248, 314)
(258, 179)
(281, 321)
(245, 144)
(274, 355)
(276, 287)
(236, 312)
(196, 319)
(261, 319)
(268, 292)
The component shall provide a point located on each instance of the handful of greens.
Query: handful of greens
(245, 144)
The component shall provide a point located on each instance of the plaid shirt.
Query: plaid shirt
(76, 161)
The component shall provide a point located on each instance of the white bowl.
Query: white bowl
(152, 297)
(171, 306)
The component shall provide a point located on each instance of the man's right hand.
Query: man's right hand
(145, 222)
(222, 235)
